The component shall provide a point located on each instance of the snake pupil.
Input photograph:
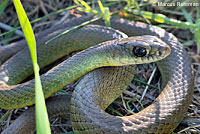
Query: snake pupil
(139, 51)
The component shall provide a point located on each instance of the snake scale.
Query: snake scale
(100, 87)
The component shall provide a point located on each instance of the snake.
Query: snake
(105, 70)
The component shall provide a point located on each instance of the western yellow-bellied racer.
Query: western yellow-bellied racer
(90, 97)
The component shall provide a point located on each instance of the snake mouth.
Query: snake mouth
(156, 47)
(160, 52)
(156, 54)
(164, 52)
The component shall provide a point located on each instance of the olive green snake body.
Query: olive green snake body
(90, 97)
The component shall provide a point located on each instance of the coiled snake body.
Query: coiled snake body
(91, 97)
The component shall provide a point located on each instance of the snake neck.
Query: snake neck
(58, 77)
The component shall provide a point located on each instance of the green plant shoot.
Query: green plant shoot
(42, 121)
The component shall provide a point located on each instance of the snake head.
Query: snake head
(140, 49)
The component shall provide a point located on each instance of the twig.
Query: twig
(188, 128)
(149, 81)
(67, 13)
(7, 27)
(124, 104)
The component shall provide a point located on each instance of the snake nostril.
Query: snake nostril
(160, 53)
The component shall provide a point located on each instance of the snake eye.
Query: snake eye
(139, 51)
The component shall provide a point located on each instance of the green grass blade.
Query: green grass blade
(197, 35)
(187, 16)
(105, 13)
(3, 5)
(144, 83)
(132, 3)
(163, 19)
(188, 43)
(134, 99)
(198, 12)
(42, 121)
(106, 16)
(75, 27)
(112, 110)
(27, 29)
(83, 3)
(101, 6)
